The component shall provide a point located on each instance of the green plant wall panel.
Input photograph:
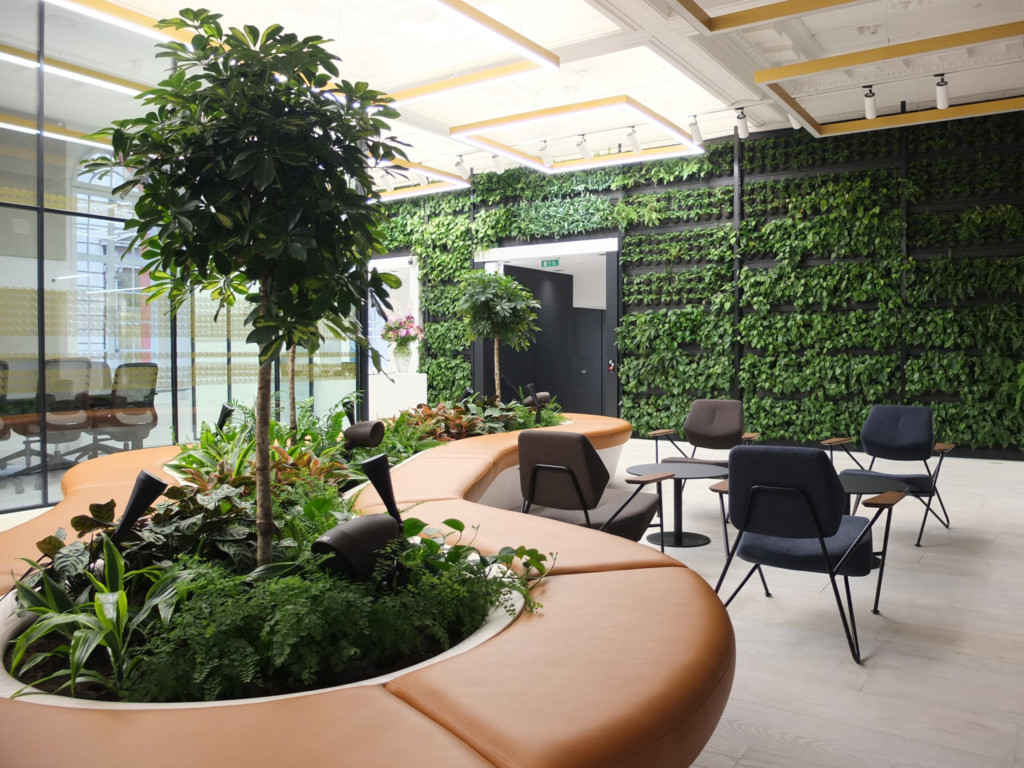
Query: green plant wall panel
(854, 270)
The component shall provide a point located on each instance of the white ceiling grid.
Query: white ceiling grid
(659, 53)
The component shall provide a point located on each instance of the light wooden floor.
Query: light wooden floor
(942, 680)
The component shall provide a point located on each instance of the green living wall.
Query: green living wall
(826, 276)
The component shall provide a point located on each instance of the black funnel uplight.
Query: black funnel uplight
(536, 399)
(379, 473)
(147, 489)
(365, 434)
(226, 412)
(355, 545)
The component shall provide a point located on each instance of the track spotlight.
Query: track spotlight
(634, 142)
(870, 107)
(794, 123)
(495, 163)
(581, 145)
(741, 123)
(389, 183)
(942, 93)
(545, 155)
(461, 169)
(695, 134)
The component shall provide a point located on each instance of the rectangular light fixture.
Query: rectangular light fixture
(125, 18)
(50, 131)
(52, 66)
(535, 57)
(538, 54)
(476, 134)
(442, 182)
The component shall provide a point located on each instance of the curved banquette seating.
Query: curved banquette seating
(629, 662)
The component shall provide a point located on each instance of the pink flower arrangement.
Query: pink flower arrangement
(401, 330)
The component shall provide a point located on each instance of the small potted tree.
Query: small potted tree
(495, 306)
(254, 172)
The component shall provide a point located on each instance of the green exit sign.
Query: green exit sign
(549, 262)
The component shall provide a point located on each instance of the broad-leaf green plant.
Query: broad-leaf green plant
(102, 633)
(495, 306)
(254, 171)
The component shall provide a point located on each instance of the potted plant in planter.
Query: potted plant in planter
(253, 168)
(495, 306)
(402, 332)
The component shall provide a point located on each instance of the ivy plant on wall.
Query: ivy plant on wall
(840, 282)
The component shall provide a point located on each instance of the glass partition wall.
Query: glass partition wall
(87, 366)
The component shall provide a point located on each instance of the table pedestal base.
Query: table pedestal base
(684, 539)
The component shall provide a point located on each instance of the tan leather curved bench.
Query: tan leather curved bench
(629, 663)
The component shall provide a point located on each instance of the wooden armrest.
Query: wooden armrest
(660, 432)
(751, 435)
(882, 500)
(722, 486)
(944, 447)
(837, 441)
(657, 477)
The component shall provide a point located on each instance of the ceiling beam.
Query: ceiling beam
(752, 17)
(891, 52)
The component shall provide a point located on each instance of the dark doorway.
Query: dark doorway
(566, 358)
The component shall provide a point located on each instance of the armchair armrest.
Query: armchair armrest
(748, 436)
(721, 487)
(883, 500)
(837, 441)
(944, 447)
(660, 432)
(657, 477)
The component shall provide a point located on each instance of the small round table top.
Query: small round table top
(681, 470)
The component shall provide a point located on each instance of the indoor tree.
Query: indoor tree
(252, 167)
(495, 306)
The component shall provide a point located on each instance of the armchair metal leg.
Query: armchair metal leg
(849, 625)
(725, 569)
(725, 523)
(928, 509)
(881, 560)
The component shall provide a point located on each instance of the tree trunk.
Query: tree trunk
(497, 373)
(265, 528)
(293, 419)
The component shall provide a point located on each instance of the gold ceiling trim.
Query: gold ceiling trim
(903, 119)
(440, 87)
(535, 56)
(765, 14)
(132, 17)
(530, 49)
(890, 52)
(795, 108)
(572, 109)
(443, 182)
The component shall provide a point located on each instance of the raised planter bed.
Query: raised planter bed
(629, 663)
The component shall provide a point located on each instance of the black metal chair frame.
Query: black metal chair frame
(849, 624)
(579, 496)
